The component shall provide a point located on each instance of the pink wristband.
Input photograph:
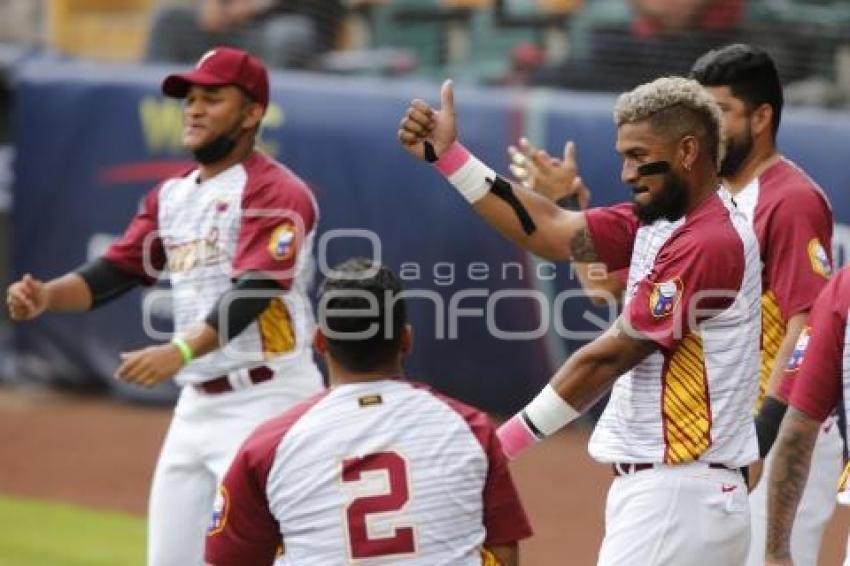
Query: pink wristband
(452, 160)
(515, 437)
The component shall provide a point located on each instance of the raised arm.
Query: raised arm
(431, 135)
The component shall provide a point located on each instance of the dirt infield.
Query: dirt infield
(101, 453)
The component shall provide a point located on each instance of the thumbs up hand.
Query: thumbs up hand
(421, 123)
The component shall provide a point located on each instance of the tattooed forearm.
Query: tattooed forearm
(581, 246)
(791, 461)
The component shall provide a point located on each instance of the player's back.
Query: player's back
(386, 471)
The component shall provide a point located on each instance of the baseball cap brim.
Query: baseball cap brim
(178, 85)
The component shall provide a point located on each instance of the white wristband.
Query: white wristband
(548, 412)
(473, 180)
(466, 173)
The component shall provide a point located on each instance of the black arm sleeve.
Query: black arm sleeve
(241, 305)
(106, 281)
(767, 423)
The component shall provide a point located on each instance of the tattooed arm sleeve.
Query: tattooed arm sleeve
(791, 461)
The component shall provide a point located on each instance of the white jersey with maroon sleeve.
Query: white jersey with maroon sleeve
(693, 288)
(385, 472)
(255, 216)
(792, 220)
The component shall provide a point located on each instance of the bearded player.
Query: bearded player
(793, 222)
(683, 356)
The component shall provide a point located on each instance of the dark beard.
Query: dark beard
(737, 150)
(669, 204)
(215, 151)
(221, 147)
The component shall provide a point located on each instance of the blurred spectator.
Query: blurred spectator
(20, 21)
(663, 37)
(284, 33)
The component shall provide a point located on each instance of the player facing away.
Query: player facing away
(793, 223)
(819, 370)
(682, 358)
(235, 235)
(376, 470)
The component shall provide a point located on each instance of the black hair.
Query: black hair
(359, 336)
(748, 71)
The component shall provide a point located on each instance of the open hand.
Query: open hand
(422, 123)
(150, 366)
(546, 175)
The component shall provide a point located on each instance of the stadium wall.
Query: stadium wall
(491, 322)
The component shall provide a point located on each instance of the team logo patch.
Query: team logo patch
(282, 242)
(820, 261)
(220, 510)
(799, 352)
(665, 297)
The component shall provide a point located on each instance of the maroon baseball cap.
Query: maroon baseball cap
(219, 67)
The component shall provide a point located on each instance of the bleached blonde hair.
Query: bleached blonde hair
(677, 107)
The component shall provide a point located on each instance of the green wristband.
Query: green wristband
(184, 348)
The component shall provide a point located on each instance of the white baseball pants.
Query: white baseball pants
(674, 515)
(204, 435)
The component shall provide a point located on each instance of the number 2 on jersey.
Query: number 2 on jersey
(402, 539)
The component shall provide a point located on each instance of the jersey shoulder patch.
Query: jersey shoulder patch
(665, 297)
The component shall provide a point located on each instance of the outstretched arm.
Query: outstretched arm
(559, 235)
(582, 380)
(29, 297)
(89, 287)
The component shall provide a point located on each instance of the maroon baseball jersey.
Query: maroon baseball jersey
(793, 223)
(817, 376)
(383, 472)
(818, 372)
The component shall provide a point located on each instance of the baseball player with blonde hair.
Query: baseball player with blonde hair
(682, 358)
(793, 223)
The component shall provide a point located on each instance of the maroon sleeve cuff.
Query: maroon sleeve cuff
(612, 231)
